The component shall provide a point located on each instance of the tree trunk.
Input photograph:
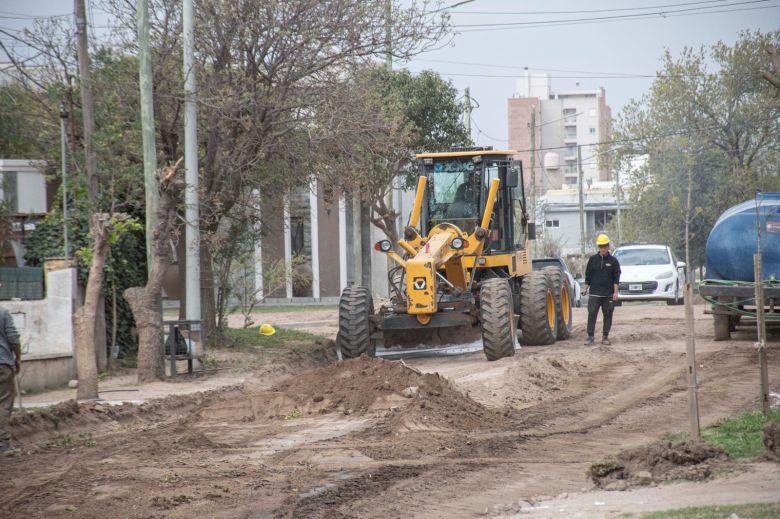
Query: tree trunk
(208, 310)
(101, 334)
(146, 305)
(145, 302)
(85, 317)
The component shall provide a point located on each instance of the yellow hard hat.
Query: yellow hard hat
(603, 239)
(267, 330)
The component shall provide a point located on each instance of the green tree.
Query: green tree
(711, 134)
(390, 116)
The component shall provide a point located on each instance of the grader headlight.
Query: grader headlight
(458, 243)
(383, 246)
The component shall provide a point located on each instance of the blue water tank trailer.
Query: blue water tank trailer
(732, 241)
(730, 285)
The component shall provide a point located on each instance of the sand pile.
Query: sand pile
(407, 398)
(661, 461)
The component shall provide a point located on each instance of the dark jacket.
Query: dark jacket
(602, 274)
(9, 338)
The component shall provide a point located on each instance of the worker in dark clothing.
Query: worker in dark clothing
(602, 278)
(10, 364)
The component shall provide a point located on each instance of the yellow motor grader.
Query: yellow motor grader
(464, 260)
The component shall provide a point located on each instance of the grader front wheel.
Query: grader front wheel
(497, 318)
(538, 322)
(356, 307)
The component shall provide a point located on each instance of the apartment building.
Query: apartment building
(562, 122)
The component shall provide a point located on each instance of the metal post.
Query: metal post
(690, 346)
(617, 198)
(314, 226)
(288, 282)
(582, 200)
(192, 209)
(342, 243)
(761, 326)
(172, 352)
(532, 204)
(63, 117)
(147, 126)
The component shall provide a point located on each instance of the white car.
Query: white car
(650, 273)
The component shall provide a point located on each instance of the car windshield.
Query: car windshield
(632, 257)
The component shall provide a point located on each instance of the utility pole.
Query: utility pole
(582, 200)
(467, 110)
(192, 210)
(147, 126)
(533, 165)
(64, 150)
(617, 198)
(87, 103)
(389, 34)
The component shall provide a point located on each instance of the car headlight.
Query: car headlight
(665, 275)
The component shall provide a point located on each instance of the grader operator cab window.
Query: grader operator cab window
(452, 195)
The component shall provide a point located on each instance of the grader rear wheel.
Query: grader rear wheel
(356, 307)
(497, 318)
(538, 320)
(562, 292)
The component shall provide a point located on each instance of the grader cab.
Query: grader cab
(464, 260)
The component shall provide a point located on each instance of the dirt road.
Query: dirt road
(437, 437)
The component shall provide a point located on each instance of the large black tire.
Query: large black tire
(497, 318)
(538, 322)
(721, 327)
(562, 293)
(356, 307)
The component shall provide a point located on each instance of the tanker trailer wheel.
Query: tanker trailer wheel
(497, 318)
(356, 307)
(721, 326)
(538, 320)
(562, 293)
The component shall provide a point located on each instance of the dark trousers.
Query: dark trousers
(7, 395)
(607, 306)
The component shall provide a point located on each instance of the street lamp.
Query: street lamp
(63, 118)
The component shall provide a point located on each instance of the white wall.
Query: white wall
(46, 326)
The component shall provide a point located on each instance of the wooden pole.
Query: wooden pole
(87, 103)
(761, 326)
(690, 347)
(147, 126)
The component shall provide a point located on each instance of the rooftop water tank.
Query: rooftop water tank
(552, 161)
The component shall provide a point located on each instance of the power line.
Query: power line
(562, 23)
(614, 17)
(617, 9)
(542, 69)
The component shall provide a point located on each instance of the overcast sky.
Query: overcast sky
(566, 42)
(618, 45)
